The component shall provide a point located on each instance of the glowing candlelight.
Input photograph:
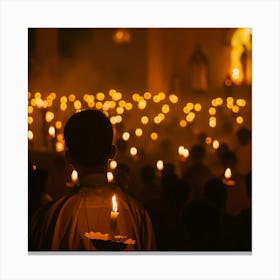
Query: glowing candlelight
(133, 151)
(110, 177)
(227, 173)
(113, 164)
(52, 131)
(113, 218)
(227, 178)
(160, 165)
(74, 176)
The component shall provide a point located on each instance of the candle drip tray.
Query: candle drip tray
(102, 242)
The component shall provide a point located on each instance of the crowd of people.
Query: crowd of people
(193, 210)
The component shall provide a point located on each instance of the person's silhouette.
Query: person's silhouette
(88, 137)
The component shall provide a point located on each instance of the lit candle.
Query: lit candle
(74, 176)
(114, 218)
(160, 165)
(227, 178)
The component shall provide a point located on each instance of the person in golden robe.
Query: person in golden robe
(66, 224)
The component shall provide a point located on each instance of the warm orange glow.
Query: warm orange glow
(49, 116)
(118, 119)
(138, 132)
(154, 136)
(63, 99)
(91, 104)
(197, 107)
(136, 97)
(128, 106)
(98, 105)
(173, 98)
(144, 120)
(160, 165)
(74, 176)
(227, 173)
(142, 104)
(235, 74)
(208, 140)
(157, 119)
(214, 102)
(30, 109)
(58, 124)
(100, 96)
(120, 110)
(161, 95)
(235, 109)
(190, 117)
(30, 120)
(212, 111)
(71, 97)
(239, 120)
(53, 95)
(183, 123)
(219, 101)
(216, 144)
(113, 120)
(39, 102)
(147, 95)
(241, 102)
(186, 153)
(156, 98)
(52, 131)
(122, 103)
(29, 94)
(112, 92)
(30, 135)
(165, 108)
(37, 95)
(181, 150)
(59, 147)
(113, 164)
(117, 96)
(212, 122)
(33, 102)
(78, 105)
(110, 176)
(133, 151)
(125, 136)
(190, 105)
(112, 104)
(63, 106)
(114, 203)
(59, 137)
(186, 110)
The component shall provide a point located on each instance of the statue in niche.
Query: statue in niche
(198, 71)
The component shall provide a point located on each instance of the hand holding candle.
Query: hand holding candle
(114, 218)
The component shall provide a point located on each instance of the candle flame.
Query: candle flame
(114, 204)
(228, 173)
(74, 176)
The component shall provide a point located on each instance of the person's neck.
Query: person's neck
(86, 171)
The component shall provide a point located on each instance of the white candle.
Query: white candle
(114, 218)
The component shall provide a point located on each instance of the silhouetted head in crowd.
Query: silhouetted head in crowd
(229, 159)
(215, 192)
(148, 174)
(223, 147)
(88, 136)
(197, 153)
(243, 135)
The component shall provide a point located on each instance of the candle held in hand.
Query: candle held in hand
(114, 218)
